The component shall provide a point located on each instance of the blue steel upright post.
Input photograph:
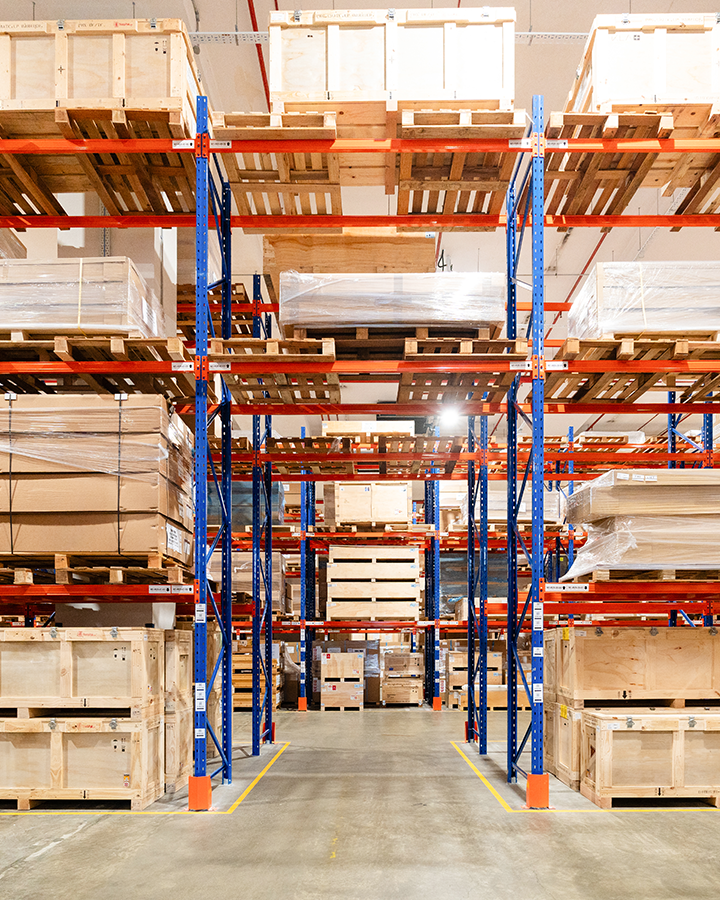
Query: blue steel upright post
(476, 725)
(302, 692)
(432, 596)
(538, 782)
(200, 788)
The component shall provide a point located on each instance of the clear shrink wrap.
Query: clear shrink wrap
(473, 300)
(242, 574)
(647, 298)
(649, 542)
(646, 492)
(104, 295)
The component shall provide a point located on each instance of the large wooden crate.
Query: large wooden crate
(634, 752)
(632, 664)
(449, 58)
(658, 62)
(179, 745)
(100, 668)
(179, 670)
(373, 583)
(355, 503)
(81, 759)
(562, 743)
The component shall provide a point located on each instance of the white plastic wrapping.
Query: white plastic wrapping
(649, 543)
(497, 506)
(473, 300)
(104, 295)
(647, 298)
(646, 492)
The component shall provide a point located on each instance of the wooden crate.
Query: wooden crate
(339, 59)
(402, 690)
(339, 694)
(375, 503)
(372, 610)
(373, 583)
(656, 62)
(179, 670)
(179, 747)
(338, 666)
(100, 668)
(562, 743)
(632, 664)
(640, 753)
(81, 759)
(403, 664)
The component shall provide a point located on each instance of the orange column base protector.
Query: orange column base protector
(538, 791)
(437, 702)
(302, 703)
(199, 793)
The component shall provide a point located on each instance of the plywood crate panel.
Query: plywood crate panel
(648, 61)
(132, 64)
(562, 739)
(179, 670)
(633, 664)
(179, 746)
(341, 56)
(354, 503)
(82, 759)
(650, 753)
(338, 666)
(341, 694)
(113, 668)
(402, 691)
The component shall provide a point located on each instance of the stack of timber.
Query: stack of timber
(338, 679)
(457, 678)
(407, 74)
(98, 79)
(656, 523)
(90, 477)
(83, 715)
(641, 76)
(652, 685)
(373, 583)
(402, 677)
(242, 676)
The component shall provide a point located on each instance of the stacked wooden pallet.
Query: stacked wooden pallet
(633, 712)
(373, 583)
(83, 715)
(242, 677)
(338, 679)
(402, 678)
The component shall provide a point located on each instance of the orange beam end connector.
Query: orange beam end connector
(538, 791)
(437, 702)
(199, 793)
(302, 704)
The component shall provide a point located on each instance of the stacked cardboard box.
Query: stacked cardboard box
(95, 475)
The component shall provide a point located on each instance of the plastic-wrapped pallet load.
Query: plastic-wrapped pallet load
(647, 298)
(389, 300)
(106, 295)
(646, 492)
(89, 474)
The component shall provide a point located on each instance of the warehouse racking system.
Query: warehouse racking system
(191, 380)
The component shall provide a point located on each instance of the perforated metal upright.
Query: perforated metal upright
(477, 578)
(218, 201)
(262, 701)
(532, 189)
(432, 596)
(307, 586)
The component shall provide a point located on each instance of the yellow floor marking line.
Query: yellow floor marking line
(506, 806)
(150, 812)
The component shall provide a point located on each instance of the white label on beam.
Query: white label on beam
(183, 145)
(537, 693)
(520, 365)
(182, 367)
(219, 366)
(553, 586)
(220, 145)
(522, 144)
(556, 365)
(200, 613)
(556, 145)
(181, 589)
(158, 589)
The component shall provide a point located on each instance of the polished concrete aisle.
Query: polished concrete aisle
(376, 805)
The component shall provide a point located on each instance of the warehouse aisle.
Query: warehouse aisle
(376, 805)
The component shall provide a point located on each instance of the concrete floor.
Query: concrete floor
(376, 805)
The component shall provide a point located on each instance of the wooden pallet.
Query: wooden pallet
(273, 184)
(241, 324)
(324, 708)
(449, 183)
(452, 348)
(627, 575)
(606, 386)
(101, 568)
(453, 388)
(373, 610)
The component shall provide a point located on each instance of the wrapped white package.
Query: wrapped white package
(472, 300)
(647, 298)
(649, 542)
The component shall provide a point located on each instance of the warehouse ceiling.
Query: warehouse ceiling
(545, 64)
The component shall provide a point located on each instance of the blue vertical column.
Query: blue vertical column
(435, 544)
(200, 789)
(571, 489)
(226, 453)
(310, 590)
(672, 423)
(538, 781)
(302, 692)
(707, 439)
(483, 583)
(476, 727)
(268, 727)
(257, 580)
(512, 585)
(471, 730)
(432, 597)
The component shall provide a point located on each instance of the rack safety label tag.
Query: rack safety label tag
(221, 145)
(556, 365)
(158, 589)
(538, 651)
(537, 615)
(200, 696)
(184, 145)
(219, 366)
(302, 634)
(537, 693)
(567, 588)
(563, 711)
(522, 144)
(199, 734)
(181, 589)
(200, 613)
(551, 145)
(182, 367)
(520, 365)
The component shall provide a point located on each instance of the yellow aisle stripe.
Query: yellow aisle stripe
(251, 786)
(484, 780)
